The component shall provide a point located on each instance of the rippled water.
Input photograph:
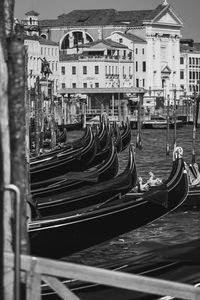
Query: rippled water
(176, 227)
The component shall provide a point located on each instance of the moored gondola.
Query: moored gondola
(126, 135)
(72, 180)
(65, 163)
(67, 233)
(90, 194)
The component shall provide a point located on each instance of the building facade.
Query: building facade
(100, 64)
(39, 50)
(190, 66)
(159, 29)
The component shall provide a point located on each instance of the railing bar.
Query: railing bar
(109, 278)
(17, 238)
(60, 288)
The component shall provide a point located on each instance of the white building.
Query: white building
(160, 29)
(38, 49)
(100, 64)
(137, 47)
(190, 66)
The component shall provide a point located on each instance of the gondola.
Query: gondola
(63, 164)
(77, 144)
(117, 137)
(90, 194)
(97, 170)
(126, 135)
(104, 132)
(64, 234)
(177, 263)
(72, 180)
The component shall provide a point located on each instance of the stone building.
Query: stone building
(190, 66)
(159, 28)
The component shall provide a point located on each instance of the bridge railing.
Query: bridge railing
(49, 271)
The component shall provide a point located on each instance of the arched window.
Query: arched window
(75, 38)
(43, 36)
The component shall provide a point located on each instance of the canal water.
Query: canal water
(177, 227)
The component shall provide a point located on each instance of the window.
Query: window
(63, 85)
(85, 85)
(73, 70)
(136, 51)
(96, 85)
(136, 66)
(84, 69)
(143, 82)
(96, 69)
(137, 82)
(144, 66)
(73, 85)
(181, 74)
(62, 70)
(142, 50)
(52, 65)
(190, 60)
(181, 60)
(120, 40)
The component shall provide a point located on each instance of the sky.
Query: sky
(49, 9)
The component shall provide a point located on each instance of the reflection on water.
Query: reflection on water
(176, 227)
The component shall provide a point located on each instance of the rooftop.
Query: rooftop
(95, 17)
(40, 39)
(132, 37)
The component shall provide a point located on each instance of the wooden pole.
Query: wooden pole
(194, 130)
(19, 177)
(175, 118)
(41, 115)
(1, 218)
(138, 137)
(37, 117)
(167, 137)
(6, 30)
(52, 122)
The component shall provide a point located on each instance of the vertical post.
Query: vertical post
(6, 27)
(41, 120)
(16, 88)
(52, 123)
(37, 118)
(194, 129)
(175, 118)
(138, 137)
(107, 109)
(113, 105)
(84, 114)
(124, 111)
(102, 109)
(167, 137)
